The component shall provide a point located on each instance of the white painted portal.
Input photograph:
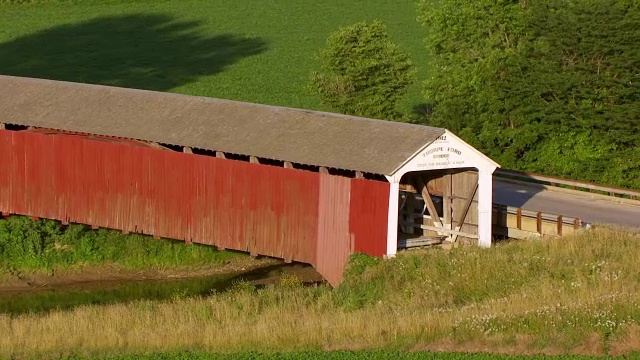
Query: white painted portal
(446, 152)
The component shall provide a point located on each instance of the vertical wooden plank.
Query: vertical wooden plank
(539, 222)
(334, 238)
(519, 218)
(368, 216)
(462, 184)
(410, 206)
(447, 197)
(559, 225)
(465, 210)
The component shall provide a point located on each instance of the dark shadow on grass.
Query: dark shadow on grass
(152, 52)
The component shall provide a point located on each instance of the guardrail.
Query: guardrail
(519, 223)
(570, 184)
(506, 221)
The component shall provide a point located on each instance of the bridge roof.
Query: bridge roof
(300, 136)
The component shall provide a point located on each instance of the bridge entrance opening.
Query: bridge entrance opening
(438, 206)
(443, 193)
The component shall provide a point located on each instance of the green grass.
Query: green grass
(257, 51)
(27, 245)
(338, 355)
(576, 295)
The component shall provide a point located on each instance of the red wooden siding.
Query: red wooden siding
(292, 214)
(353, 218)
(334, 237)
(162, 193)
(368, 216)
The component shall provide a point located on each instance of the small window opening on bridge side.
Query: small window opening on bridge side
(13, 127)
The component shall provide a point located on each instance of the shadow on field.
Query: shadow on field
(152, 52)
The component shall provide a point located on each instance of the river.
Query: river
(69, 295)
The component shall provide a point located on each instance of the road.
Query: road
(595, 211)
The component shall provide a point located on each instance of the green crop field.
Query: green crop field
(257, 51)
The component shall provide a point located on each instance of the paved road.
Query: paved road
(591, 210)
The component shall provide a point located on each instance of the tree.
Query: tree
(519, 78)
(364, 72)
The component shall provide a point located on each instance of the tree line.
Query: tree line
(547, 86)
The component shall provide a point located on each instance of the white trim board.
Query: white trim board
(447, 152)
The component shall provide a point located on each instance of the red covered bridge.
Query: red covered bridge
(294, 184)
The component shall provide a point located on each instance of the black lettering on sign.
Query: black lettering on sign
(432, 151)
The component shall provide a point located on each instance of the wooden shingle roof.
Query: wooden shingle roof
(300, 136)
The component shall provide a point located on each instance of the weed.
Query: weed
(289, 280)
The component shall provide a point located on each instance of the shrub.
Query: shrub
(364, 72)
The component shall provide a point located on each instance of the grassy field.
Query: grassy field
(45, 245)
(257, 51)
(578, 295)
(340, 355)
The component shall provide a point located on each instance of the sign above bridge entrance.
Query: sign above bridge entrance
(446, 152)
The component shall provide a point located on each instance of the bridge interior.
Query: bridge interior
(438, 206)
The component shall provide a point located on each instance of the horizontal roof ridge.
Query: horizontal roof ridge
(275, 132)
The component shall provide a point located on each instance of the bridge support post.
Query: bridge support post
(485, 206)
(392, 219)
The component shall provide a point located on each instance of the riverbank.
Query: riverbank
(30, 247)
(87, 277)
(575, 295)
(46, 266)
(108, 285)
